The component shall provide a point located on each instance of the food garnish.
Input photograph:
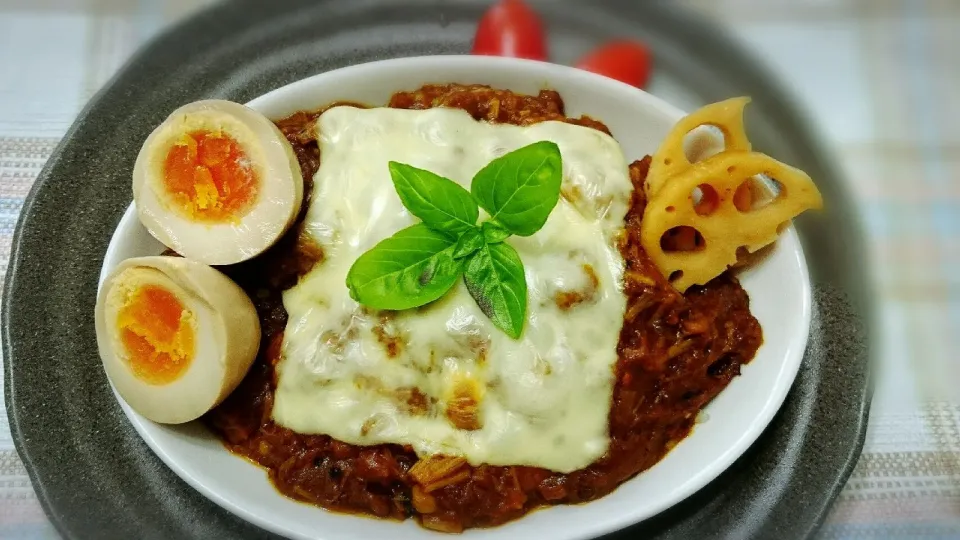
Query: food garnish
(701, 217)
(421, 263)
(624, 60)
(510, 28)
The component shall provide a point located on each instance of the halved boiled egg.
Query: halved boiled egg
(217, 182)
(176, 336)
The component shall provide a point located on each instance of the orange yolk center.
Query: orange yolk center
(157, 335)
(210, 177)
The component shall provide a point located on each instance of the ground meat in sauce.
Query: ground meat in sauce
(676, 353)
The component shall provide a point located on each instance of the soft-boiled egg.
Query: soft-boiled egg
(217, 182)
(175, 335)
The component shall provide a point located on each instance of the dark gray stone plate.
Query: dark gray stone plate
(97, 479)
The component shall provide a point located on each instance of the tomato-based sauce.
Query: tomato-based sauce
(676, 353)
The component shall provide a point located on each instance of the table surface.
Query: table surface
(880, 78)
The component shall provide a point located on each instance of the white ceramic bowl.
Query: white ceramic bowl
(779, 292)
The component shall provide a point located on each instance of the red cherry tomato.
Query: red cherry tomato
(625, 61)
(510, 28)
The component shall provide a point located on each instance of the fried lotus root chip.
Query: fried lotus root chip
(670, 159)
(694, 243)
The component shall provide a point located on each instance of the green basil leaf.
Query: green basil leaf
(520, 189)
(440, 202)
(411, 268)
(494, 276)
(493, 232)
(470, 241)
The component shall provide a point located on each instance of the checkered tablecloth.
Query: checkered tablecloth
(880, 77)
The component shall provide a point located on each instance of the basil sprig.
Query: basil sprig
(421, 263)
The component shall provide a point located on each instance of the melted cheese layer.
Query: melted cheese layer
(442, 378)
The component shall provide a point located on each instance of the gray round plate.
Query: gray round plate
(95, 476)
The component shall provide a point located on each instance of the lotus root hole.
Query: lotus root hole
(757, 192)
(743, 198)
(709, 200)
(675, 275)
(704, 141)
(682, 238)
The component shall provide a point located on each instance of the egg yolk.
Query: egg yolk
(210, 177)
(156, 331)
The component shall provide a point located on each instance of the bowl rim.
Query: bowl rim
(762, 420)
